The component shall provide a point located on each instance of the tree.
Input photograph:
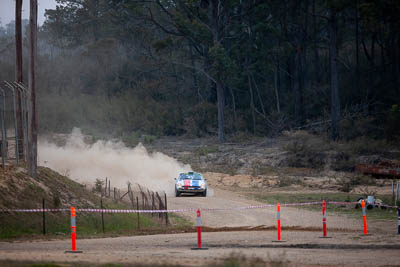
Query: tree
(335, 101)
(18, 72)
(32, 111)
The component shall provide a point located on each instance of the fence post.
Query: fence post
(44, 217)
(15, 123)
(3, 128)
(398, 224)
(166, 208)
(364, 213)
(160, 205)
(152, 203)
(138, 217)
(24, 121)
(102, 215)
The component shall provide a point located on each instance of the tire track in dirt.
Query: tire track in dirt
(290, 216)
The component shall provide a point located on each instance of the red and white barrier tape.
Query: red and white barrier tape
(33, 210)
(185, 210)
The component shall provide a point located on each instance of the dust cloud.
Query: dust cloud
(112, 159)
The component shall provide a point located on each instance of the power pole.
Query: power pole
(18, 73)
(32, 112)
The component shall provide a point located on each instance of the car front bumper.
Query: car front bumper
(191, 190)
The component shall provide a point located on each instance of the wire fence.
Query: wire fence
(13, 121)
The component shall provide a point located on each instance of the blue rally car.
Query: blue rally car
(191, 182)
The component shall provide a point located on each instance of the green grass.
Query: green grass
(376, 213)
(58, 224)
(28, 193)
(19, 225)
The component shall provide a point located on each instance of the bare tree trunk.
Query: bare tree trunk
(233, 107)
(316, 54)
(395, 54)
(276, 85)
(32, 115)
(295, 88)
(335, 101)
(18, 74)
(253, 114)
(194, 75)
(215, 9)
(221, 103)
(357, 53)
(303, 70)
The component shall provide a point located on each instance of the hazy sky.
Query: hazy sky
(7, 10)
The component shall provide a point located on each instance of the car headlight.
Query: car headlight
(202, 185)
(179, 184)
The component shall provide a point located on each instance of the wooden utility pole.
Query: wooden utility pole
(18, 73)
(32, 112)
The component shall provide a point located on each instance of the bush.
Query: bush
(352, 128)
(343, 161)
(348, 183)
(367, 146)
(149, 139)
(98, 186)
(288, 181)
(130, 140)
(200, 120)
(305, 150)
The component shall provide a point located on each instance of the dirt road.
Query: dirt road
(300, 247)
(266, 216)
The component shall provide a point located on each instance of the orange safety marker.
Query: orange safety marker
(199, 247)
(278, 207)
(324, 217)
(364, 213)
(73, 232)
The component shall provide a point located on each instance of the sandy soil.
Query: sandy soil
(301, 248)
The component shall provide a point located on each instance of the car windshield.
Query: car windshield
(194, 176)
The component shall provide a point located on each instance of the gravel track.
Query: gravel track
(301, 248)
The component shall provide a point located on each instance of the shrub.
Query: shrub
(352, 128)
(98, 186)
(288, 181)
(205, 150)
(343, 161)
(130, 140)
(367, 146)
(305, 150)
(149, 139)
(348, 183)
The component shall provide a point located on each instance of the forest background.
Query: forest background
(123, 69)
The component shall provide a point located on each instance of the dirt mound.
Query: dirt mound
(19, 190)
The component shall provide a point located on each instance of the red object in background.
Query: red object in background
(389, 168)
